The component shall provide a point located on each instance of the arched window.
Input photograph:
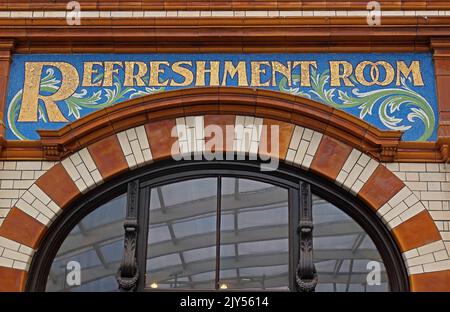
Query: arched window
(96, 245)
(218, 225)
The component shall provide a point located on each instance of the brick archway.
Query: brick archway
(313, 136)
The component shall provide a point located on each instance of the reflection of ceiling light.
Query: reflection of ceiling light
(223, 286)
(153, 285)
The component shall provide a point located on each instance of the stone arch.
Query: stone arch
(313, 136)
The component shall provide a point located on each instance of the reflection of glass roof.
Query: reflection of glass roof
(97, 244)
(342, 250)
(254, 251)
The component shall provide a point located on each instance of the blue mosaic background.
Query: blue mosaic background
(412, 109)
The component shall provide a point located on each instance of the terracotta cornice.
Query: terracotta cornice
(224, 34)
(225, 5)
(21, 150)
(441, 47)
(6, 44)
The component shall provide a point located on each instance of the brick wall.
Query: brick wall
(15, 178)
(431, 184)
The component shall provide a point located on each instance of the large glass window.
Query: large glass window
(95, 248)
(345, 257)
(220, 231)
(254, 235)
(182, 235)
(199, 239)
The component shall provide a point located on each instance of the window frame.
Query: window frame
(218, 174)
(170, 171)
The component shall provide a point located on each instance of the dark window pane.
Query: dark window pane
(345, 256)
(96, 243)
(181, 249)
(254, 235)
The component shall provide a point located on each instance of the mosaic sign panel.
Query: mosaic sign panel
(394, 91)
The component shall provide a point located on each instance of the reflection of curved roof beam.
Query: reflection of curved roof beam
(249, 282)
(204, 206)
(270, 196)
(337, 228)
(255, 234)
(102, 235)
(87, 276)
(245, 261)
(98, 272)
(335, 254)
(179, 212)
(260, 260)
(73, 244)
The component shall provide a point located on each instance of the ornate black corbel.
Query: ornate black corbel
(128, 273)
(306, 275)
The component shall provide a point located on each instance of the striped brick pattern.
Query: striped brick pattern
(191, 134)
(135, 147)
(403, 206)
(14, 255)
(430, 183)
(303, 147)
(83, 171)
(247, 134)
(15, 178)
(356, 171)
(38, 205)
(428, 258)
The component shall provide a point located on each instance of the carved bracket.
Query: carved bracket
(443, 144)
(54, 152)
(306, 275)
(2, 143)
(444, 152)
(388, 152)
(128, 273)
